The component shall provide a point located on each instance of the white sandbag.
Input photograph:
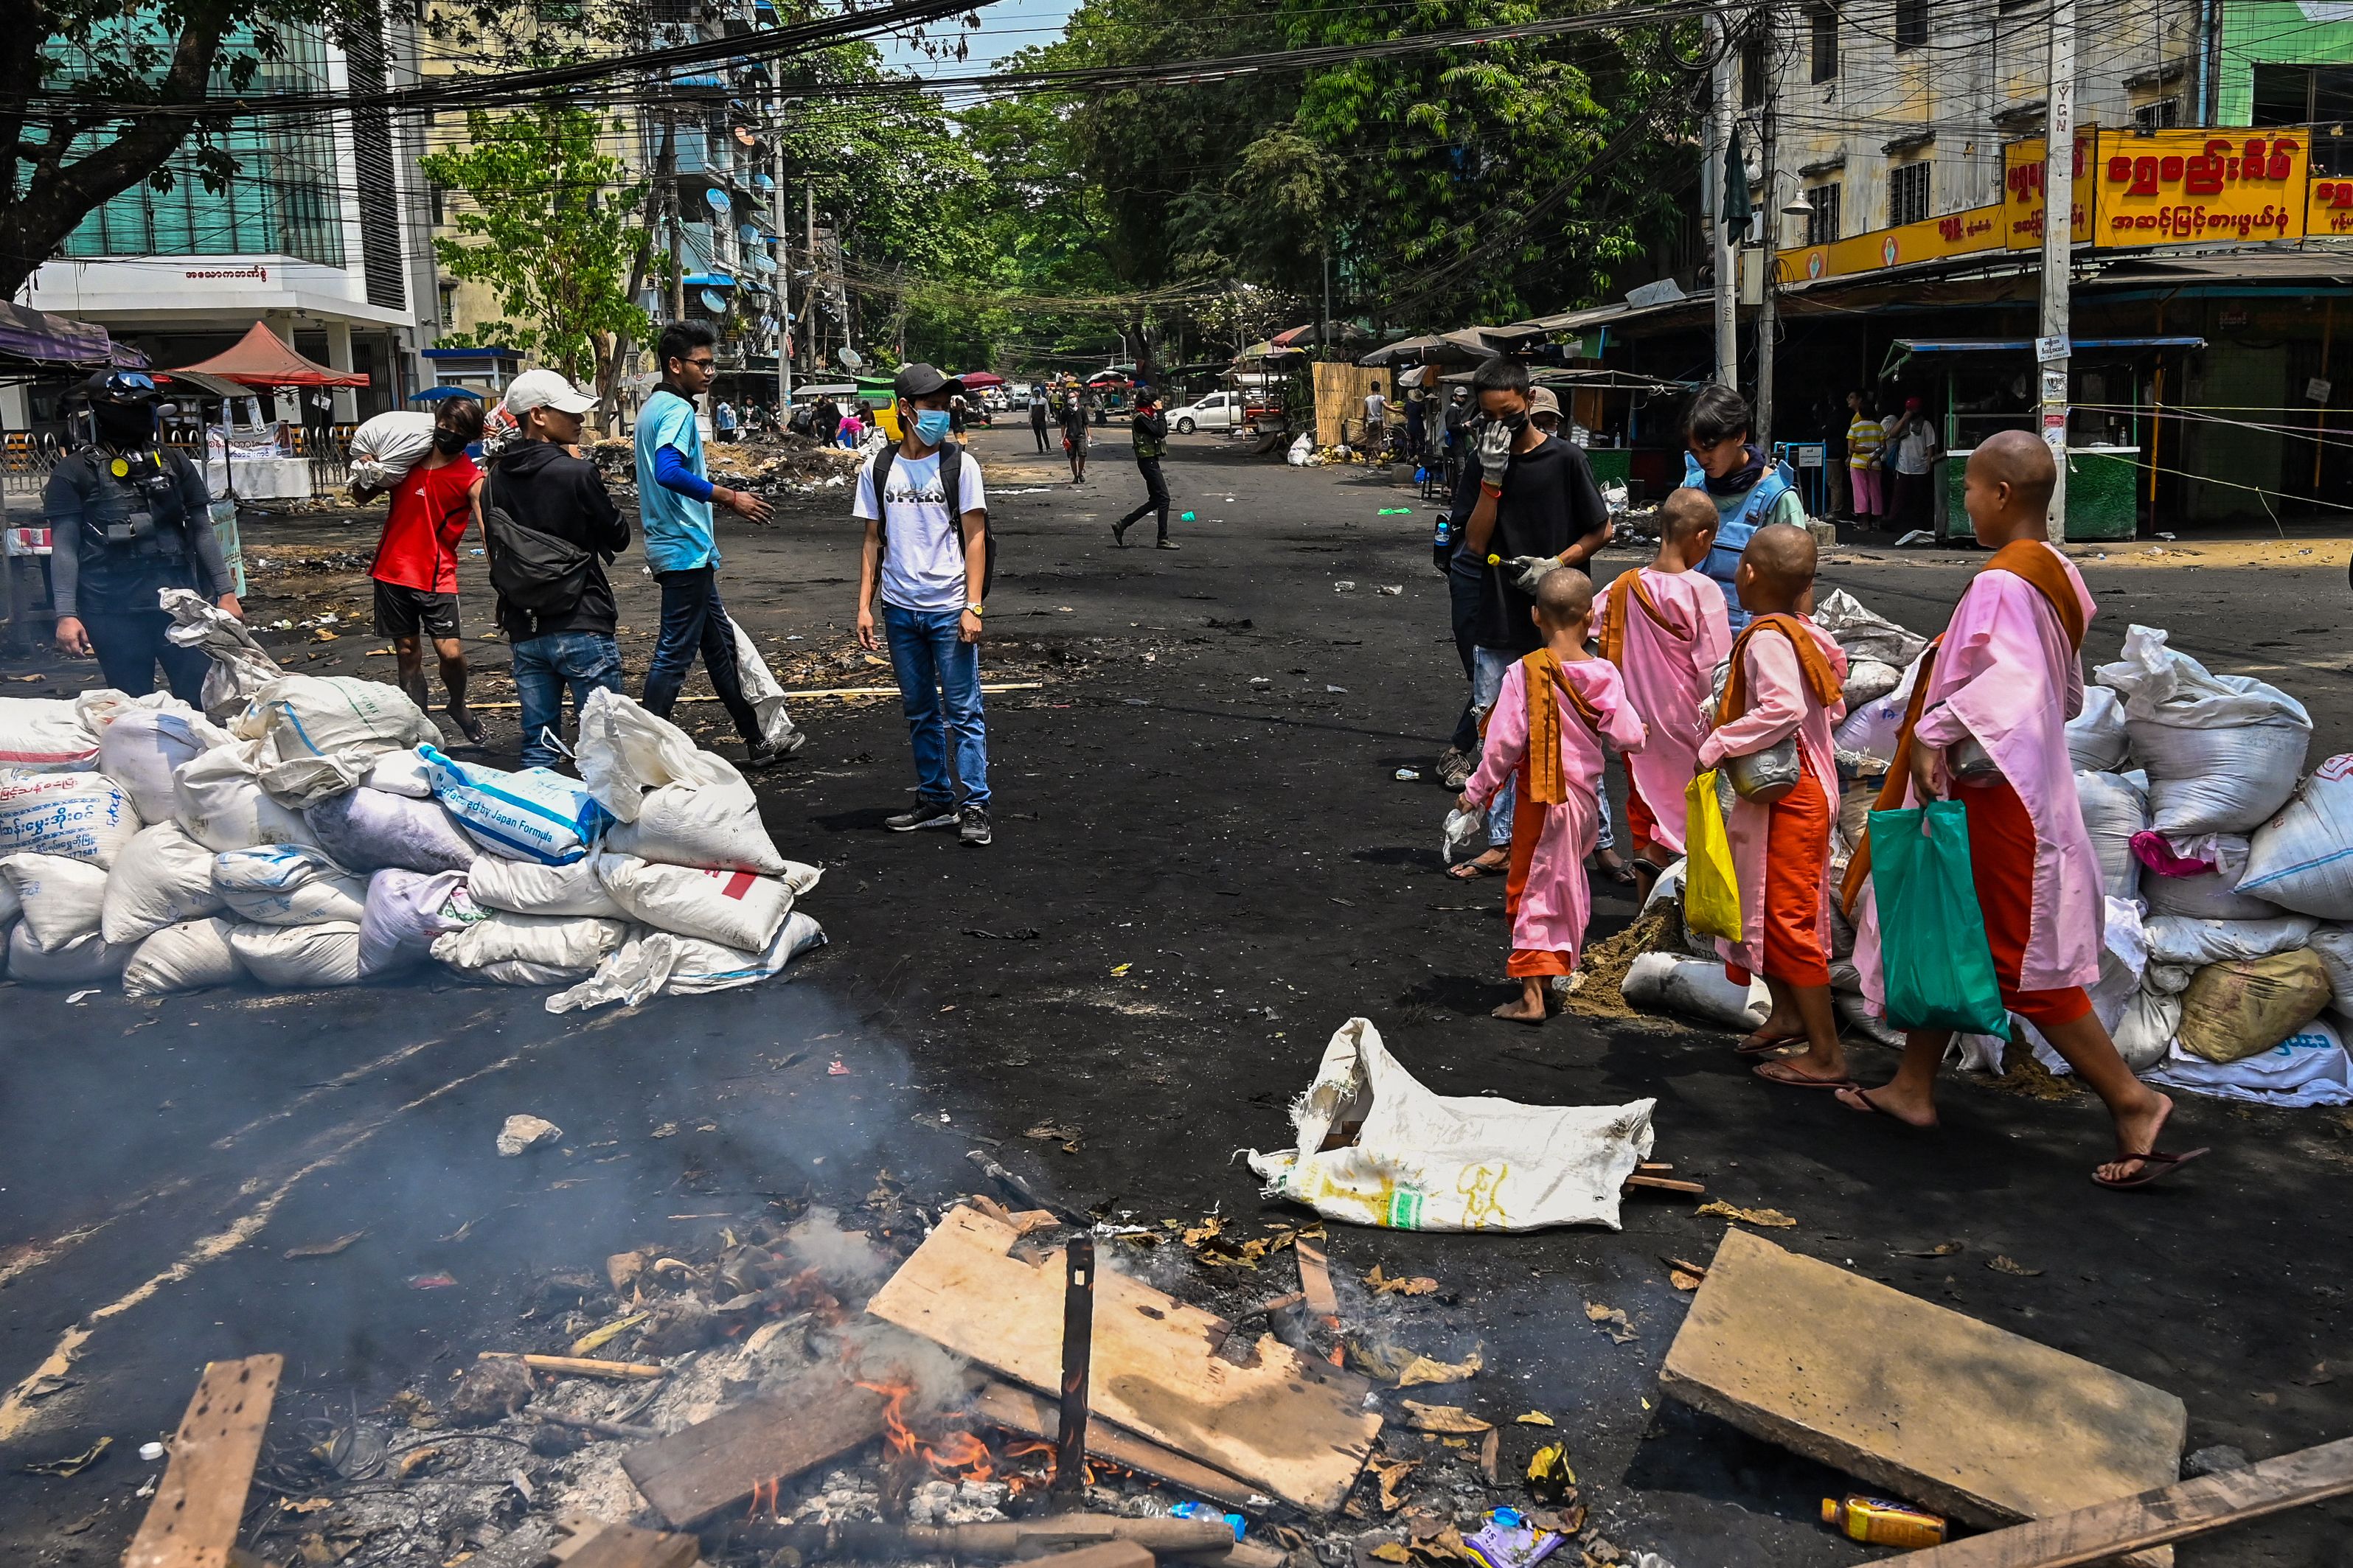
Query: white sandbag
(240, 667)
(58, 900)
(369, 829)
(2210, 895)
(296, 958)
(288, 885)
(81, 816)
(2302, 860)
(223, 805)
(534, 814)
(733, 909)
(8, 905)
(383, 448)
(761, 689)
(624, 751)
(1976, 1053)
(526, 950)
(1854, 1013)
(700, 824)
(526, 888)
(7, 933)
(2175, 940)
(1697, 987)
(2222, 752)
(402, 773)
(81, 962)
(405, 911)
(1863, 633)
(2309, 1068)
(320, 734)
(162, 877)
(2115, 807)
(663, 961)
(2333, 945)
(142, 751)
(45, 734)
(2144, 1028)
(1865, 739)
(1867, 678)
(1420, 1161)
(187, 956)
(2097, 737)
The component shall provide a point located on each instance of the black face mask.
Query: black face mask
(124, 423)
(448, 443)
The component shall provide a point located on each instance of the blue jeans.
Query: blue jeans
(939, 688)
(544, 667)
(694, 621)
(1488, 665)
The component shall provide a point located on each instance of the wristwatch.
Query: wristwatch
(973, 610)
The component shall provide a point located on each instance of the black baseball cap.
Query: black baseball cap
(919, 380)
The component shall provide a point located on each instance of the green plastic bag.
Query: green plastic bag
(1934, 965)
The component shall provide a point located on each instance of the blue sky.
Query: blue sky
(1004, 27)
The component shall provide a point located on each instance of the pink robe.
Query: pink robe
(2005, 674)
(1780, 705)
(1556, 902)
(1668, 675)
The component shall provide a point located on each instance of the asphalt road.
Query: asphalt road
(1197, 815)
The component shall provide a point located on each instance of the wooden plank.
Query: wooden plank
(1034, 1416)
(580, 1366)
(716, 1465)
(1109, 1554)
(627, 1546)
(1957, 1415)
(193, 1522)
(2156, 1518)
(1293, 1428)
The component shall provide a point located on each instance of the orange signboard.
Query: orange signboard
(1954, 234)
(2022, 184)
(2185, 186)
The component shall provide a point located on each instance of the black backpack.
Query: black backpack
(952, 487)
(532, 569)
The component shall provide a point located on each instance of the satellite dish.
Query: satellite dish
(851, 358)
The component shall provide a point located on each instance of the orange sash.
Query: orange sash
(1544, 675)
(1629, 586)
(1819, 677)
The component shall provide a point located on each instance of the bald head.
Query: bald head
(1685, 514)
(1783, 555)
(1564, 596)
(2018, 459)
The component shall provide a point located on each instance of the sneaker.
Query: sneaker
(1167, 544)
(975, 829)
(760, 754)
(1119, 534)
(1455, 768)
(924, 814)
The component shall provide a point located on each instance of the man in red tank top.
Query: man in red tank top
(416, 568)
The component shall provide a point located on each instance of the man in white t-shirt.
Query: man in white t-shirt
(927, 551)
(1377, 414)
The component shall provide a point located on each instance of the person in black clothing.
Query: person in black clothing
(1416, 417)
(544, 489)
(1074, 432)
(1038, 416)
(1528, 501)
(1151, 442)
(130, 518)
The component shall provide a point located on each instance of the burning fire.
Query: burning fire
(956, 1453)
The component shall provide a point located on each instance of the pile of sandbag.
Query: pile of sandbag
(320, 837)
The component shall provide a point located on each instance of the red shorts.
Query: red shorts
(2001, 864)
(1639, 819)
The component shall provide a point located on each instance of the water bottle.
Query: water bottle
(1444, 539)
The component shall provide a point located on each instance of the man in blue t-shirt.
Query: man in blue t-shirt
(674, 501)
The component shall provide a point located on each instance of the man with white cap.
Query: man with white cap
(550, 530)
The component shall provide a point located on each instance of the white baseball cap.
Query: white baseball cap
(545, 389)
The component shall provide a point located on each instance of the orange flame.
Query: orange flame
(954, 1453)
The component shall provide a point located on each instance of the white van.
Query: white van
(1218, 411)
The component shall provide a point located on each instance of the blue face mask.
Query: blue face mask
(932, 425)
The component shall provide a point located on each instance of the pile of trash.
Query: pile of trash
(2227, 878)
(307, 831)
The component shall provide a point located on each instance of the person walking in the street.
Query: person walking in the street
(1038, 417)
(414, 571)
(129, 519)
(1151, 444)
(674, 503)
(551, 530)
(1074, 433)
(926, 557)
(723, 420)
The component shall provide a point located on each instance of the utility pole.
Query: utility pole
(668, 172)
(2058, 237)
(1768, 309)
(809, 308)
(1323, 324)
(784, 276)
(1720, 241)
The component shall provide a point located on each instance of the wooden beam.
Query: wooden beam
(2156, 1518)
(1110, 1554)
(719, 1464)
(581, 1366)
(1034, 1416)
(193, 1522)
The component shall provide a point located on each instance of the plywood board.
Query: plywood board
(1110, 1554)
(1292, 1428)
(717, 1464)
(2153, 1519)
(193, 1522)
(1956, 1415)
(627, 1546)
(1035, 1416)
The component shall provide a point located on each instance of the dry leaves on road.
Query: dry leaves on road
(1774, 1218)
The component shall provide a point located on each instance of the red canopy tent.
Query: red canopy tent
(262, 358)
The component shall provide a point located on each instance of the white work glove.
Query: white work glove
(1531, 570)
(1495, 449)
(1462, 828)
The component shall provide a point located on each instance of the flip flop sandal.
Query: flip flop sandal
(469, 726)
(1773, 1046)
(2155, 1167)
(1799, 1081)
(1622, 873)
(1471, 870)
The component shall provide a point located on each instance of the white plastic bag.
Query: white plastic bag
(530, 950)
(1303, 451)
(1426, 1162)
(223, 805)
(526, 888)
(82, 817)
(1697, 987)
(186, 956)
(383, 448)
(2309, 1068)
(760, 689)
(162, 877)
(81, 962)
(2302, 860)
(295, 958)
(402, 773)
(2115, 807)
(288, 885)
(368, 829)
(712, 825)
(534, 814)
(241, 668)
(733, 909)
(58, 900)
(2096, 738)
(2195, 944)
(662, 962)
(45, 734)
(320, 734)
(405, 911)
(626, 751)
(2222, 752)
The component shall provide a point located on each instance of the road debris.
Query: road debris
(1611, 1320)
(200, 1499)
(523, 1132)
(322, 1249)
(1772, 1218)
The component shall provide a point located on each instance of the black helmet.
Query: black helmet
(119, 385)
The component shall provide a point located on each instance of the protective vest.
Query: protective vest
(1731, 534)
(134, 537)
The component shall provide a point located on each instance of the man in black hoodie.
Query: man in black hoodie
(1151, 432)
(565, 529)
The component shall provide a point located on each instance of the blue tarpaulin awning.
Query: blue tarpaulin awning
(442, 394)
(709, 280)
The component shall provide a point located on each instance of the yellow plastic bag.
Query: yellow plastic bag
(1710, 891)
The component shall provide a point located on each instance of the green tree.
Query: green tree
(550, 225)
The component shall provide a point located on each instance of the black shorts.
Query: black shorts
(401, 612)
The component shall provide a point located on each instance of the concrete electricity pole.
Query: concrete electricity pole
(1720, 241)
(1768, 309)
(784, 277)
(2058, 235)
(665, 167)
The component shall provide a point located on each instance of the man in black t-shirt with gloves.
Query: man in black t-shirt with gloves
(1151, 431)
